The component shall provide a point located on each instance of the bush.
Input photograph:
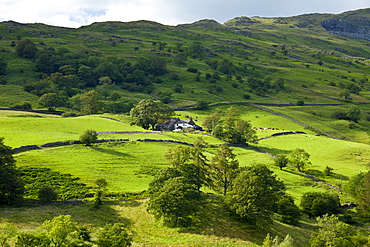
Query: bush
(114, 235)
(47, 194)
(22, 106)
(246, 96)
(192, 70)
(88, 137)
(68, 114)
(300, 102)
(174, 77)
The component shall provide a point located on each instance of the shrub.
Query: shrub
(300, 102)
(88, 137)
(68, 114)
(192, 70)
(174, 77)
(246, 96)
(47, 194)
(25, 105)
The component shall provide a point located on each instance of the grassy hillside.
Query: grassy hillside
(292, 69)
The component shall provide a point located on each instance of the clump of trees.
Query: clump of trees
(147, 113)
(253, 193)
(230, 127)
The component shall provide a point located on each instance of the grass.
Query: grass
(210, 230)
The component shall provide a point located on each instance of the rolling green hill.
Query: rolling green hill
(294, 74)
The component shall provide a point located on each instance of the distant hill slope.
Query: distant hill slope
(313, 58)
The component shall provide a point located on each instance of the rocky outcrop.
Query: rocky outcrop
(342, 27)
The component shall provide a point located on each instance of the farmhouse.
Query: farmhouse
(176, 124)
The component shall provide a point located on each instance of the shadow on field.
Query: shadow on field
(131, 203)
(275, 151)
(110, 151)
(214, 218)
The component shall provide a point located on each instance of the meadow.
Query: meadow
(129, 166)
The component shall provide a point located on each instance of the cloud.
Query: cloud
(74, 13)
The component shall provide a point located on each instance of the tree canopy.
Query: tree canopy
(148, 112)
(11, 184)
(255, 194)
(223, 169)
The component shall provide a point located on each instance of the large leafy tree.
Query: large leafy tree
(11, 184)
(316, 204)
(223, 169)
(299, 158)
(175, 203)
(232, 128)
(90, 103)
(147, 113)
(255, 194)
(190, 162)
(359, 187)
(26, 49)
(50, 101)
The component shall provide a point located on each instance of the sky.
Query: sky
(76, 13)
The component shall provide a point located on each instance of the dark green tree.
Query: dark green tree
(235, 130)
(50, 101)
(359, 187)
(11, 184)
(114, 235)
(47, 194)
(299, 158)
(316, 204)
(290, 213)
(161, 177)
(89, 137)
(223, 169)
(190, 162)
(26, 49)
(281, 161)
(175, 203)
(90, 103)
(147, 113)
(254, 195)
(3, 67)
(354, 113)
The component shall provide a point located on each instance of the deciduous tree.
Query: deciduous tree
(255, 194)
(26, 49)
(175, 203)
(89, 137)
(316, 204)
(147, 113)
(223, 169)
(281, 161)
(299, 158)
(11, 184)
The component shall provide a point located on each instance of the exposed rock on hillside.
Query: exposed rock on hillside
(342, 27)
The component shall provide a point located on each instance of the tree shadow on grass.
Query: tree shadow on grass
(83, 214)
(110, 152)
(214, 218)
